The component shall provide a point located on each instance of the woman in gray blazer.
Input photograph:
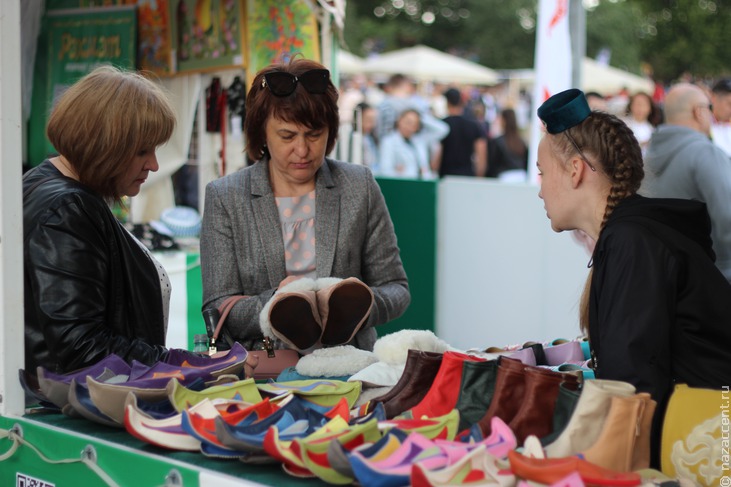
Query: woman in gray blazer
(295, 213)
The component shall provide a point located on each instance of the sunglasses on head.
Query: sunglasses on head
(315, 81)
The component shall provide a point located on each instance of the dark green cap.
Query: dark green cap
(564, 110)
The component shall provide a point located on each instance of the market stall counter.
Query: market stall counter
(54, 450)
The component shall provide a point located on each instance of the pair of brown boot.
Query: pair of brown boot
(327, 311)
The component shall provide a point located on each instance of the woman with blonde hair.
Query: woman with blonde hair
(91, 288)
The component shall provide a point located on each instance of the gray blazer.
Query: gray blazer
(242, 249)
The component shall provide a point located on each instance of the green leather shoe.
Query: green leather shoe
(182, 398)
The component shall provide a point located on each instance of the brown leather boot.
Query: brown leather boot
(419, 372)
(509, 393)
(535, 416)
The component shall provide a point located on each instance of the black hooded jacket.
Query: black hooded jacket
(90, 290)
(659, 309)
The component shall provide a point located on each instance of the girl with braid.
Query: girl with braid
(655, 307)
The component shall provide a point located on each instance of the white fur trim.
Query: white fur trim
(394, 347)
(379, 374)
(325, 282)
(304, 284)
(335, 361)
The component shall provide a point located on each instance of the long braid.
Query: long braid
(613, 149)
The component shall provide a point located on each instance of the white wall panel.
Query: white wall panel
(504, 276)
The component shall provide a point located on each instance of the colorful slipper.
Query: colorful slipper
(477, 468)
(289, 452)
(442, 427)
(236, 413)
(395, 470)
(182, 398)
(164, 433)
(551, 470)
(150, 385)
(249, 438)
(80, 404)
(339, 456)
(314, 451)
(56, 386)
(232, 362)
(322, 392)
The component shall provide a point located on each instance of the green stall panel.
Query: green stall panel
(194, 282)
(413, 208)
(127, 461)
(50, 456)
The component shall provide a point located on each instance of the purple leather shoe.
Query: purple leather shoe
(55, 386)
(569, 352)
(230, 363)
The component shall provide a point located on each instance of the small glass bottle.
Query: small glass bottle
(200, 343)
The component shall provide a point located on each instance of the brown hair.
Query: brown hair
(315, 111)
(655, 115)
(103, 120)
(512, 135)
(612, 149)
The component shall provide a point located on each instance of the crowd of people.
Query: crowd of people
(373, 112)
(399, 133)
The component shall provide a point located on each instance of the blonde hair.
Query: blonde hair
(106, 118)
(612, 149)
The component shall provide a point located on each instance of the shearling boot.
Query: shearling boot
(344, 306)
(291, 315)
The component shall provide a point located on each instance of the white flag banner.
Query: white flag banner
(552, 67)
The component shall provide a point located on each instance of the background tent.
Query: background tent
(423, 63)
(349, 63)
(608, 80)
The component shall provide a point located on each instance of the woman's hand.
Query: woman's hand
(251, 362)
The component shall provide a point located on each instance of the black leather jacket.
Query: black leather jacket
(90, 290)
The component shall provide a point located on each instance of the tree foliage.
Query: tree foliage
(486, 31)
(669, 37)
(612, 27)
(686, 36)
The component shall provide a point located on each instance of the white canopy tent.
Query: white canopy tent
(423, 63)
(349, 63)
(595, 76)
(609, 80)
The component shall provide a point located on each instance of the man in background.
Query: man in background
(464, 149)
(400, 95)
(721, 127)
(683, 162)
